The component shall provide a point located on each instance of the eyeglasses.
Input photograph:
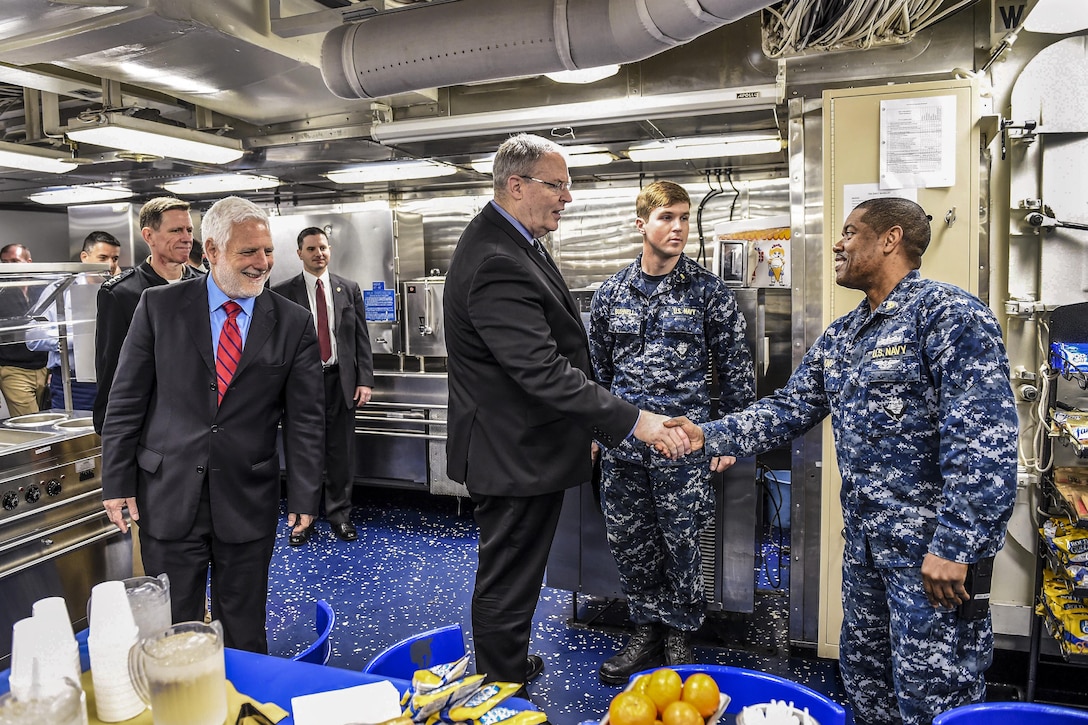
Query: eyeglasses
(557, 186)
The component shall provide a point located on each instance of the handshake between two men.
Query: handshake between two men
(671, 437)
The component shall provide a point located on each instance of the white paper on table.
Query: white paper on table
(373, 703)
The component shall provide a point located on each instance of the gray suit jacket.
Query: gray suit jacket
(353, 352)
(164, 432)
(523, 407)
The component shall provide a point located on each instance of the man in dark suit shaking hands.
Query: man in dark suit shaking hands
(336, 304)
(523, 409)
(209, 369)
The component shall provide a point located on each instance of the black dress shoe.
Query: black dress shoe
(345, 531)
(644, 650)
(534, 665)
(301, 538)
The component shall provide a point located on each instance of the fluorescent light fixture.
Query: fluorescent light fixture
(584, 75)
(215, 183)
(593, 159)
(484, 164)
(81, 194)
(576, 156)
(391, 171)
(588, 113)
(702, 147)
(19, 156)
(118, 131)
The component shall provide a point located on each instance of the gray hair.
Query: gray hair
(220, 219)
(518, 155)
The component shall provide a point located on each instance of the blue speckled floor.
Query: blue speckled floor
(412, 570)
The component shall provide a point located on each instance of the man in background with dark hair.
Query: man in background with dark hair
(167, 228)
(98, 248)
(102, 248)
(336, 306)
(196, 257)
(23, 374)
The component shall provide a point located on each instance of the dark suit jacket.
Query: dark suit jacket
(117, 300)
(349, 326)
(523, 407)
(164, 432)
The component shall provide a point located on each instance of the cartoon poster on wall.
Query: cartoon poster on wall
(756, 251)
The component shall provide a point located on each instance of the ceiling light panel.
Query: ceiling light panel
(81, 194)
(216, 183)
(18, 156)
(704, 147)
(391, 171)
(125, 133)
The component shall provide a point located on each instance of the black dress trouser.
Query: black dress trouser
(339, 450)
(239, 578)
(515, 539)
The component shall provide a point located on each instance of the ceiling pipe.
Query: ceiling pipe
(481, 40)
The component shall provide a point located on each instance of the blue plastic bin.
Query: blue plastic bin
(1012, 713)
(777, 497)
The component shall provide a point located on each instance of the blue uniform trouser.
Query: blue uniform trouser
(653, 517)
(903, 661)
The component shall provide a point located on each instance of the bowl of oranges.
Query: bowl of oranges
(662, 697)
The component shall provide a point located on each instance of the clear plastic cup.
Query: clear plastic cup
(65, 706)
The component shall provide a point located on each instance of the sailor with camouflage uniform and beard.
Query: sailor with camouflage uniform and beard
(916, 381)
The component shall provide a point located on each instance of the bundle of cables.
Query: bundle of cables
(792, 27)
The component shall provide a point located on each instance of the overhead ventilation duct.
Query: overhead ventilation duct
(480, 40)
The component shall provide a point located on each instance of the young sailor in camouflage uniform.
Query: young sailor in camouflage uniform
(655, 328)
(916, 381)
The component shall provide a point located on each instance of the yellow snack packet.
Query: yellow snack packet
(423, 705)
(429, 680)
(508, 716)
(481, 701)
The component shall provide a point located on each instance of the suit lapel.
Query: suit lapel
(339, 301)
(198, 320)
(260, 328)
(544, 264)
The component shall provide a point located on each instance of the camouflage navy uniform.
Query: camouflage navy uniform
(925, 433)
(651, 341)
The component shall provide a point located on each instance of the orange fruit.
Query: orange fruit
(681, 713)
(640, 684)
(631, 708)
(702, 692)
(664, 688)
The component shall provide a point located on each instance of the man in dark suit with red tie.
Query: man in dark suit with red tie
(209, 370)
(336, 304)
(523, 407)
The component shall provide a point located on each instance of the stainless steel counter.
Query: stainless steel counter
(401, 434)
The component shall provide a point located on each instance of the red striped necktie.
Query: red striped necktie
(229, 351)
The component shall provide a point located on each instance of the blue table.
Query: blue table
(275, 679)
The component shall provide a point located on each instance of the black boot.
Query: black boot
(644, 650)
(678, 648)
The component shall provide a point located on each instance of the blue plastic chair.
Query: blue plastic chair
(419, 652)
(749, 687)
(1012, 713)
(318, 653)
